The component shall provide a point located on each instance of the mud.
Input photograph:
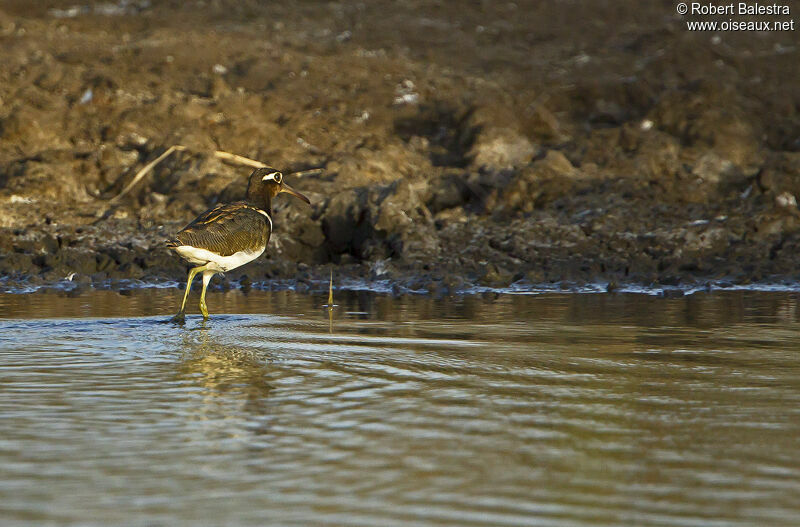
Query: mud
(486, 143)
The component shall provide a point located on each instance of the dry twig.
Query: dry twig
(225, 156)
(309, 172)
(147, 168)
(234, 158)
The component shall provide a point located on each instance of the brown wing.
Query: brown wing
(227, 229)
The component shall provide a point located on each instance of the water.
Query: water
(554, 410)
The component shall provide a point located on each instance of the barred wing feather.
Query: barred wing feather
(227, 229)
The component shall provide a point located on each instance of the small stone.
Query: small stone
(786, 200)
(711, 168)
(87, 97)
(502, 148)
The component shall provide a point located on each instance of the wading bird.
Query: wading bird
(230, 234)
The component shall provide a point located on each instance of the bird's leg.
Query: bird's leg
(207, 275)
(181, 316)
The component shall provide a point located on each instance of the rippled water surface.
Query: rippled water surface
(513, 410)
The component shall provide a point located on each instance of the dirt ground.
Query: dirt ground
(461, 143)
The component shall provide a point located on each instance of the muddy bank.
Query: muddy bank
(459, 145)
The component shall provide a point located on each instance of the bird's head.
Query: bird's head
(266, 183)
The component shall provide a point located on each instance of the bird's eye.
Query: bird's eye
(273, 176)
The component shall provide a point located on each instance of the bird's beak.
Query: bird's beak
(289, 190)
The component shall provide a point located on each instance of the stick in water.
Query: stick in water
(330, 304)
(330, 291)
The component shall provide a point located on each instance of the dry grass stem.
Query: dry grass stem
(241, 160)
(330, 291)
(309, 172)
(145, 170)
(225, 156)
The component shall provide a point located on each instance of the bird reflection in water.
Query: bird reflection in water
(226, 373)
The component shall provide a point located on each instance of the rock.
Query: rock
(453, 283)
(220, 88)
(343, 220)
(496, 277)
(406, 220)
(556, 164)
(369, 222)
(501, 148)
(712, 169)
(695, 244)
(29, 129)
(115, 160)
(380, 164)
(781, 174)
(632, 152)
(80, 261)
(449, 191)
(130, 139)
(298, 236)
(17, 264)
(710, 116)
(497, 140)
(771, 226)
(450, 216)
(543, 124)
(785, 200)
(545, 180)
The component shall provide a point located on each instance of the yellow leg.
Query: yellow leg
(207, 275)
(181, 316)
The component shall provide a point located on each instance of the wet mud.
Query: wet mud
(460, 144)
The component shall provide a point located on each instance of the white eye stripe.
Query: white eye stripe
(274, 176)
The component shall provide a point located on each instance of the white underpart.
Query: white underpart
(215, 262)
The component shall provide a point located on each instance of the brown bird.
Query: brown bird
(230, 234)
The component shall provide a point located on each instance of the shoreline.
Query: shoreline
(352, 284)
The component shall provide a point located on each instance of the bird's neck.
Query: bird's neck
(261, 200)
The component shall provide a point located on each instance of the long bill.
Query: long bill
(289, 190)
